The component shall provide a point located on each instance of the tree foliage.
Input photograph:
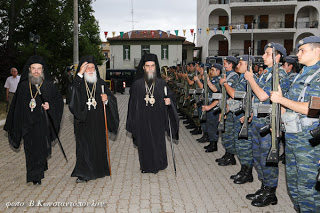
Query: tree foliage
(53, 21)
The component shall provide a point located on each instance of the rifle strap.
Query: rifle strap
(306, 84)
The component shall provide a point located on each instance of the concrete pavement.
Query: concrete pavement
(200, 185)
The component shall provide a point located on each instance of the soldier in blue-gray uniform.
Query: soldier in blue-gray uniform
(243, 146)
(302, 160)
(212, 115)
(289, 66)
(261, 144)
(228, 138)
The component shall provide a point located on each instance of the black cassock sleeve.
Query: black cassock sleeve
(78, 109)
(112, 111)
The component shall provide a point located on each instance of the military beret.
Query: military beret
(207, 65)
(191, 63)
(307, 40)
(290, 60)
(217, 66)
(278, 47)
(246, 58)
(201, 65)
(232, 59)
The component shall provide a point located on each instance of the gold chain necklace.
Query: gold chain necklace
(32, 103)
(91, 96)
(149, 99)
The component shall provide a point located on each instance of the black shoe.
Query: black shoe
(186, 122)
(81, 180)
(229, 160)
(212, 147)
(197, 131)
(268, 197)
(207, 146)
(256, 194)
(222, 158)
(236, 176)
(37, 182)
(245, 176)
(190, 126)
(204, 138)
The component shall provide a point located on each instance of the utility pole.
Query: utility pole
(75, 34)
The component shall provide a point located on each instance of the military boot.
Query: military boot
(204, 138)
(256, 194)
(268, 197)
(245, 176)
(228, 160)
(232, 177)
(212, 146)
(191, 126)
(196, 131)
(186, 121)
(222, 158)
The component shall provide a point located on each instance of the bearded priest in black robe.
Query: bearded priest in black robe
(86, 104)
(148, 112)
(27, 118)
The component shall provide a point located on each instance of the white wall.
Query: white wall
(175, 52)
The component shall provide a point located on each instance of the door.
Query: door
(223, 21)
(248, 20)
(289, 20)
(247, 44)
(264, 20)
(288, 44)
(223, 48)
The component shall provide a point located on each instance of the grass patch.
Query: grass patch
(3, 107)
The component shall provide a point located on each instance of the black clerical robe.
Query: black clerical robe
(148, 124)
(34, 126)
(90, 131)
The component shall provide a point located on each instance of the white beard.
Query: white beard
(91, 79)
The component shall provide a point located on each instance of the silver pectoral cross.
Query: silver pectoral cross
(147, 99)
(89, 103)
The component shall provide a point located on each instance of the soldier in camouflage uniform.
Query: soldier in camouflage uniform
(212, 115)
(243, 146)
(302, 160)
(268, 175)
(289, 66)
(229, 64)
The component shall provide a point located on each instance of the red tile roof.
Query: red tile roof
(147, 35)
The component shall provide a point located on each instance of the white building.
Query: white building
(282, 21)
(126, 52)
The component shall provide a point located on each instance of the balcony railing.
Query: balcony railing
(237, 52)
(244, 1)
(268, 25)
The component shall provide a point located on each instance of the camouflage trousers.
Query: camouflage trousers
(243, 146)
(302, 164)
(268, 175)
(212, 125)
(228, 134)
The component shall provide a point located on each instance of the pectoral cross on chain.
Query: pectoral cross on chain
(147, 99)
(89, 104)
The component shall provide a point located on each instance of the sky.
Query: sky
(116, 15)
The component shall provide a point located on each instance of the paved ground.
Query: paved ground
(200, 185)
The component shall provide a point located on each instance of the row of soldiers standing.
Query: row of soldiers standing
(199, 90)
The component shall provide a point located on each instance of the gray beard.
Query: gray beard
(36, 80)
(149, 77)
(91, 79)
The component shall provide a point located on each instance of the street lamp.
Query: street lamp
(35, 39)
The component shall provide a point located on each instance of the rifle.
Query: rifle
(314, 104)
(247, 104)
(223, 105)
(203, 116)
(274, 113)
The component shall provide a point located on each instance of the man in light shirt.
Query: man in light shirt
(11, 85)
